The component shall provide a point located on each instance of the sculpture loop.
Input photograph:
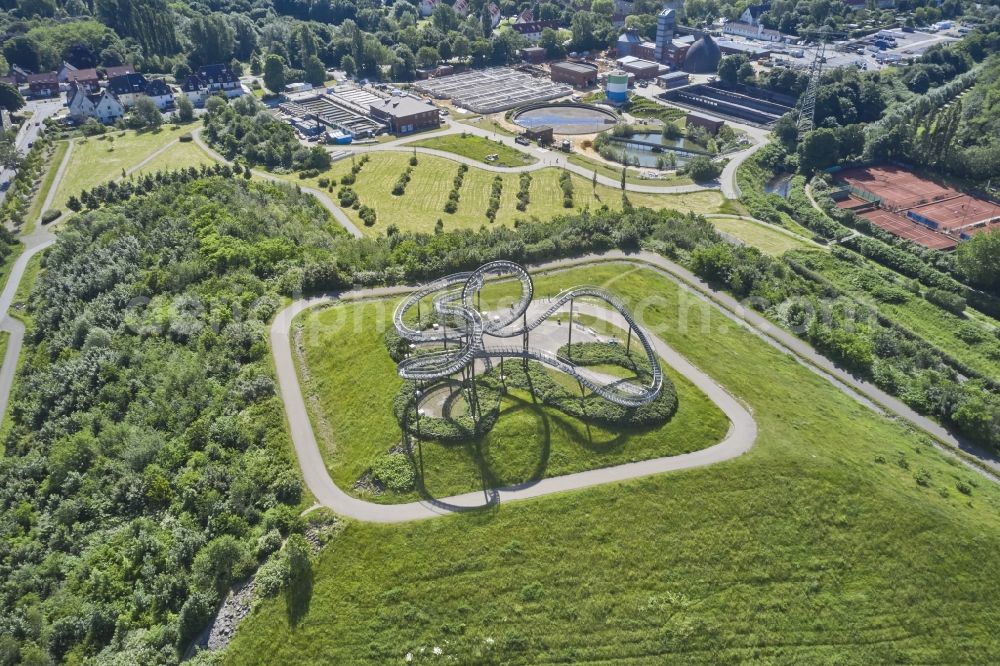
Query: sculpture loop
(477, 336)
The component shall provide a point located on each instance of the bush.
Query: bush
(323, 182)
(348, 179)
(395, 471)
(272, 576)
(702, 169)
(51, 215)
(367, 215)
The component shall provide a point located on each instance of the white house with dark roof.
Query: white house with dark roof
(220, 78)
(103, 106)
(753, 13)
(161, 94)
(128, 88)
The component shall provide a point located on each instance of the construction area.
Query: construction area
(741, 103)
(915, 208)
(492, 90)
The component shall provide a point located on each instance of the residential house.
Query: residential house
(461, 8)
(195, 90)
(426, 7)
(752, 31)
(526, 16)
(65, 71)
(87, 78)
(221, 78)
(128, 88)
(118, 70)
(532, 31)
(20, 75)
(753, 13)
(158, 91)
(43, 85)
(494, 14)
(103, 106)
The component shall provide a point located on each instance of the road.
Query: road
(29, 131)
(737, 441)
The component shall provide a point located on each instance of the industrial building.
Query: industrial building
(493, 90)
(742, 103)
(672, 80)
(311, 110)
(710, 125)
(576, 74)
(536, 55)
(642, 69)
(617, 87)
(678, 47)
(404, 114)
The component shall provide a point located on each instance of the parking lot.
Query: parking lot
(909, 45)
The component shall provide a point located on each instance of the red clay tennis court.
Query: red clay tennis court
(896, 187)
(910, 230)
(960, 211)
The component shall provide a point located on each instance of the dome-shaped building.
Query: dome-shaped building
(703, 57)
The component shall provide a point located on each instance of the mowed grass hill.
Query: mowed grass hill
(841, 537)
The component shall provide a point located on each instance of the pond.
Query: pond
(662, 154)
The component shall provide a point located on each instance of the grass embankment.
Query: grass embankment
(8, 263)
(426, 194)
(98, 159)
(477, 148)
(631, 174)
(972, 341)
(179, 155)
(35, 211)
(817, 546)
(767, 240)
(354, 422)
(24, 288)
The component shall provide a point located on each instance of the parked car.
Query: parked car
(523, 140)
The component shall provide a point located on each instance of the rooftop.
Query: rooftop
(403, 106)
(579, 67)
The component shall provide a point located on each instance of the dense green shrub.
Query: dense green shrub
(51, 215)
(395, 471)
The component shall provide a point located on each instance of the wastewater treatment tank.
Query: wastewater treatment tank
(566, 118)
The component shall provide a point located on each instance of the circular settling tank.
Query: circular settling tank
(566, 118)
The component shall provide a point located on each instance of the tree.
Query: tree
(147, 114)
(212, 39)
(979, 260)
(274, 72)
(427, 56)
(819, 149)
(255, 66)
(348, 65)
(702, 169)
(315, 71)
(10, 98)
(550, 41)
(786, 130)
(185, 109)
(729, 67)
(181, 71)
(404, 67)
(746, 74)
(583, 25)
(40, 8)
(444, 18)
(23, 52)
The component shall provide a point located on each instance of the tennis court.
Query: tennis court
(910, 230)
(958, 212)
(898, 188)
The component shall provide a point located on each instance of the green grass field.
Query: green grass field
(177, 156)
(477, 148)
(426, 194)
(35, 212)
(98, 159)
(767, 240)
(24, 288)
(354, 424)
(817, 546)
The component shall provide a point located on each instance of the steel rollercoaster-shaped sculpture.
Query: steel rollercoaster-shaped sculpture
(469, 335)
